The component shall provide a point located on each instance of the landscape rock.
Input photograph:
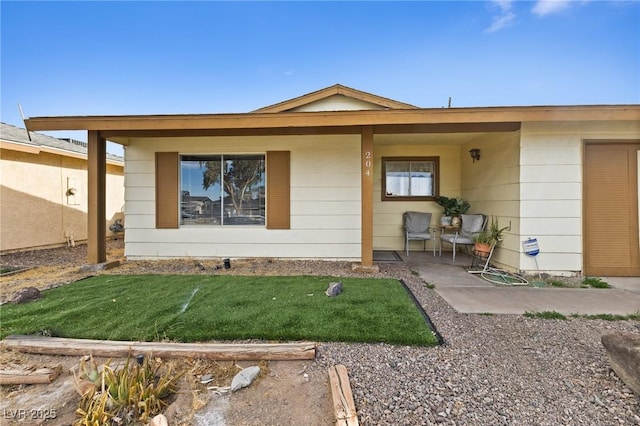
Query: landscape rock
(334, 289)
(97, 267)
(624, 355)
(159, 420)
(244, 378)
(27, 294)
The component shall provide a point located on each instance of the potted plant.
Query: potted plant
(482, 243)
(453, 208)
(485, 239)
(495, 232)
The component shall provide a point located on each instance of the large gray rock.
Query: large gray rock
(624, 354)
(244, 378)
(27, 294)
(334, 289)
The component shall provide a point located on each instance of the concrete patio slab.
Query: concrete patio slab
(469, 293)
(518, 300)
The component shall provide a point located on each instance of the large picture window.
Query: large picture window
(410, 178)
(222, 190)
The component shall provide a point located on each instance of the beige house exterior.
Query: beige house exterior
(43, 190)
(542, 172)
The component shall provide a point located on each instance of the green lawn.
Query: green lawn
(191, 308)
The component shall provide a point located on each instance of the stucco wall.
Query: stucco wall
(551, 189)
(35, 210)
(325, 201)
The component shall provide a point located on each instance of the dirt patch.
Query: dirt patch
(54, 403)
(286, 392)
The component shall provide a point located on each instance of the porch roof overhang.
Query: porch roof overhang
(424, 120)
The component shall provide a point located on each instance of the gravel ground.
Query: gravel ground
(492, 370)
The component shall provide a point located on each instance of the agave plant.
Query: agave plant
(134, 391)
(88, 379)
(495, 232)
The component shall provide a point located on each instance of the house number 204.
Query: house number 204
(367, 163)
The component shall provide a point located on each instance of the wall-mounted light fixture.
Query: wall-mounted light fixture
(475, 154)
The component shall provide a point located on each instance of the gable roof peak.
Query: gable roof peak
(360, 99)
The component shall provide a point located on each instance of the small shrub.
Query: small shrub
(88, 378)
(595, 282)
(556, 283)
(135, 391)
(93, 410)
(545, 315)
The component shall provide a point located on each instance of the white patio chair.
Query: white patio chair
(471, 225)
(416, 227)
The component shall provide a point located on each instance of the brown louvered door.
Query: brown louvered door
(611, 241)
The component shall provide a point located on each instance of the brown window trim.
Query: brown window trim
(436, 176)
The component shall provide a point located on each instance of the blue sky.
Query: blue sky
(113, 58)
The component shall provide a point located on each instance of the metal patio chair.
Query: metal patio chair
(471, 225)
(416, 227)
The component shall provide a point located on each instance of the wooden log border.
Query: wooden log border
(122, 349)
(29, 377)
(343, 404)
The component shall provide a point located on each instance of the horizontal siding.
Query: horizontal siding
(492, 187)
(503, 192)
(561, 226)
(387, 215)
(137, 180)
(315, 208)
(320, 194)
(140, 166)
(552, 208)
(560, 243)
(551, 189)
(552, 174)
(553, 263)
(138, 207)
(140, 193)
(498, 208)
(334, 221)
(140, 221)
(309, 178)
(301, 250)
(551, 156)
(325, 201)
(242, 235)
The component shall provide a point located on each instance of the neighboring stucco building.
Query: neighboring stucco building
(326, 175)
(43, 190)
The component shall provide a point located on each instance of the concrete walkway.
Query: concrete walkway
(469, 293)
